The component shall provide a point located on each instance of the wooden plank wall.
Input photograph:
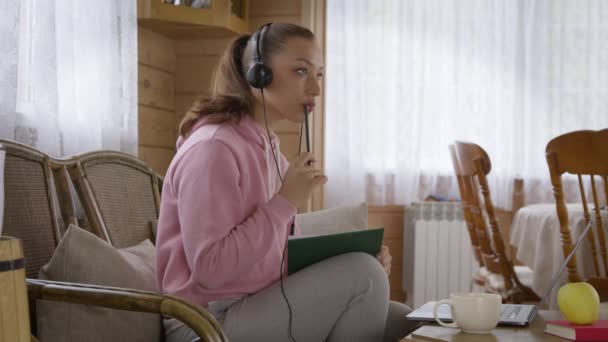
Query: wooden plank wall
(196, 62)
(156, 100)
(391, 218)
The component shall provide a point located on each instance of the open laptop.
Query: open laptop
(511, 314)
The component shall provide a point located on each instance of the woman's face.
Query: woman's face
(297, 72)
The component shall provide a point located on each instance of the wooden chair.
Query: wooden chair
(120, 195)
(582, 153)
(31, 179)
(472, 164)
(479, 278)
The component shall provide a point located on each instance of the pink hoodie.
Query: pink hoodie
(222, 225)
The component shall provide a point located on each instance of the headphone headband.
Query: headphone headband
(257, 57)
(259, 74)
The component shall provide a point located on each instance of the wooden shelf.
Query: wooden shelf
(178, 22)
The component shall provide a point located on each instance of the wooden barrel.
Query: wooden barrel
(14, 311)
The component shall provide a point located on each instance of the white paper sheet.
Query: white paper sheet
(2, 153)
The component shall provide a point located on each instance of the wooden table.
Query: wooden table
(534, 332)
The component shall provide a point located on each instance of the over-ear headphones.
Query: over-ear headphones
(259, 74)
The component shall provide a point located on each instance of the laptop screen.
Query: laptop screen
(564, 264)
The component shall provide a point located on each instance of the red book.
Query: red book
(597, 331)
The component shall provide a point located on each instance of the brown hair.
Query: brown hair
(231, 97)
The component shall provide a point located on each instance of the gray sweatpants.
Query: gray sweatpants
(344, 298)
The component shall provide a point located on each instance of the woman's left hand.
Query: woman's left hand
(385, 258)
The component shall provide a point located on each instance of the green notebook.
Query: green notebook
(305, 251)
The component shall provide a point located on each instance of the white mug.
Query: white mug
(472, 312)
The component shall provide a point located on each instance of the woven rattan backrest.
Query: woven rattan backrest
(119, 193)
(29, 206)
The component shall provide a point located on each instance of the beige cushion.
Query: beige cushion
(334, 220)
(81, 257)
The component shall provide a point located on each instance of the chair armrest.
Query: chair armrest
(194, 316)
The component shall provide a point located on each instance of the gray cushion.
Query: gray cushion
(82, 257)
(334, 220)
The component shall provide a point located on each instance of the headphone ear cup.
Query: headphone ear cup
(259, 75)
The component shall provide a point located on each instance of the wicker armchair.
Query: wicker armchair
(192, 315)
(30, 211)
(31, 180)
(120, 195)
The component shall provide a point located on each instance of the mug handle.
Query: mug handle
(436, 308)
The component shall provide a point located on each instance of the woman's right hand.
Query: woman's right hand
(301, 179)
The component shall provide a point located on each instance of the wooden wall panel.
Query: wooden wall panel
(275, 8)
(183, 102)
(197, 61)
(391, 218)
(156, 88)
(257, 22)
(198, 47)
(395, 247)
(157, 122)
(395, 281)
(157, 127)
(158, 158)
(156, 50)
(289, 145)
(194, 73)
(285, 126)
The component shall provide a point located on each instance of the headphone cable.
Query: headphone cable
(284, 248)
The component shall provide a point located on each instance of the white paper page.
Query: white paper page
(2, 153)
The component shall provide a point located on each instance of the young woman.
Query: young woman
(229, 201)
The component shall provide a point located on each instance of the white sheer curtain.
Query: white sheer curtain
(68, 74)
(407, 78)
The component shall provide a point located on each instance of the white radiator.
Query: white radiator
(437, 254)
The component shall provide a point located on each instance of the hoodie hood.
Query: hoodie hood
(254, 133)
(247, 127)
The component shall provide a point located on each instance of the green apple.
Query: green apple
(579, 303)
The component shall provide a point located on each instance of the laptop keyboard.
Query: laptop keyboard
(509, 312)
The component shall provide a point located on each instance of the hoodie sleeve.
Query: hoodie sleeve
(219, 244)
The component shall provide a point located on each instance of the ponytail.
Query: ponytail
(230, 97)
